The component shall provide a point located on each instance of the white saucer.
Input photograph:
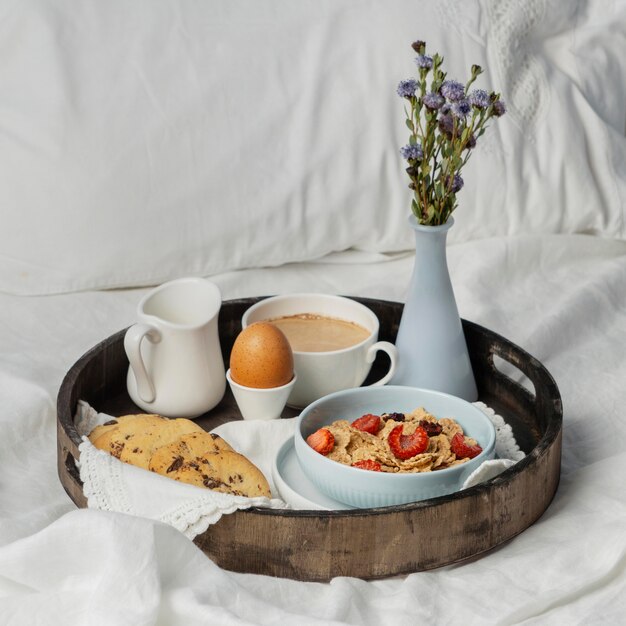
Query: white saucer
(294, 487)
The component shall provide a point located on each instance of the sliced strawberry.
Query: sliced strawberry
(407, 446)
(321, 441)
(368, 464)
(462, 449)
(368, 423)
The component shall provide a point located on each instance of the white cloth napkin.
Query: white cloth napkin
(111, 485)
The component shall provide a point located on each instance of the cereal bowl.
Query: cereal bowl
(367, 489)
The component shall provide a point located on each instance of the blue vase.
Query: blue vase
(432, 352)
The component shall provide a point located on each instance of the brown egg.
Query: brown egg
(261, 357)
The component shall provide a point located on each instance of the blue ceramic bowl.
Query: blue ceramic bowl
(366, 489)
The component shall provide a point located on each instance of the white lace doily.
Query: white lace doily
(111, 485)
(506, 445)
(507, 451)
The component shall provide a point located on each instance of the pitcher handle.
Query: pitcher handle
(392, 351)
(132, 344)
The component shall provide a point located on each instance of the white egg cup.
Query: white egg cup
(260, 404)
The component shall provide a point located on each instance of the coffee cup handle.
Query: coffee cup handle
(132, 344)
(392, 351)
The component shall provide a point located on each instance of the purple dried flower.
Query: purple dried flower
(407, 88)
(479, 98)
(461, 108)
(499, 108)
(446, 124)
(457, 183)
(433, 101)
(424, 61)
(412, 152)
(452, 90)
(445, 118)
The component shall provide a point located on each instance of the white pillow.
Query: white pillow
(145, 140)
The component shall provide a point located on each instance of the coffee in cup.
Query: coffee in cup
(309, 332)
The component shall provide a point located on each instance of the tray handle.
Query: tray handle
(70, 478)
(544, 400)
(72, 470)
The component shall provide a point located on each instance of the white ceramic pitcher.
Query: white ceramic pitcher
(176, 366)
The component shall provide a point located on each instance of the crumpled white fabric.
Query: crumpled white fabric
(562, 298)
(111, 485)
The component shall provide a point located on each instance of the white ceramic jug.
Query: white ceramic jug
(176, 365)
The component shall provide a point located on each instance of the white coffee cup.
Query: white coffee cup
(321, 373)
(176, 365)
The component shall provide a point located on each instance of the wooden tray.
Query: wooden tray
(370, 543)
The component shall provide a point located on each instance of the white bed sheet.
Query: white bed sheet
(561, 297)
